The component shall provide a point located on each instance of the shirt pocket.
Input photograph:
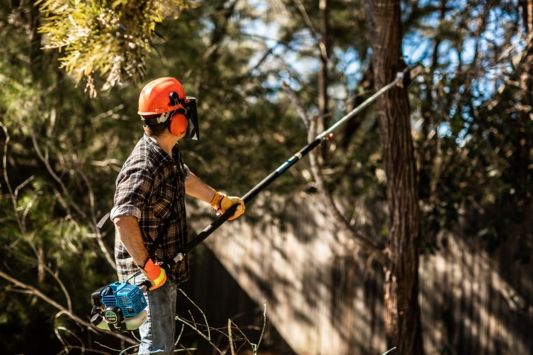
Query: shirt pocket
(163, 202)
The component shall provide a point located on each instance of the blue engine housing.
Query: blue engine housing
(129, 298)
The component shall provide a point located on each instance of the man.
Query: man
(149, 207)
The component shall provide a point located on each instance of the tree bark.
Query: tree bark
(402, 310)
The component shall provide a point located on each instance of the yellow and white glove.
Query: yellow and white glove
(220, 202)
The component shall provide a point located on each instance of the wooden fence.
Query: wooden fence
(323, 297)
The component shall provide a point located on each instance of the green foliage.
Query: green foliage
(65, 149)
(53, 165)
(106, 39)
(473, 146)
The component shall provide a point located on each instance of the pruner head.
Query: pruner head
(179, 257)
(406, 77)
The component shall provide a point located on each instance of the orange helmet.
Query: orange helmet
(164, 100)
(155, 96)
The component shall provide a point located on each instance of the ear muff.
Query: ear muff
(178, 124)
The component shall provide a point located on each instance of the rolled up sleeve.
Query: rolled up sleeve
(133, 189)
(125, 210)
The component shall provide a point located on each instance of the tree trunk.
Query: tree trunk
(402, 310)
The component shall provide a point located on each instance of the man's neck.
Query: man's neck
(165, 142)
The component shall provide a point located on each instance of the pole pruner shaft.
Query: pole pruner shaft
(402, 78)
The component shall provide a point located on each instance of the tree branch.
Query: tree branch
(32, 290)
(372, 249)
(6, 178)
(94, 222)
(70, 201)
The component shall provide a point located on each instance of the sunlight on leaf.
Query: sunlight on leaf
(103, 41)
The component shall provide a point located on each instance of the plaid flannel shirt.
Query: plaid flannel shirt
(151, 187)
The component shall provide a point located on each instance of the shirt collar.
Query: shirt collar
(154, 146)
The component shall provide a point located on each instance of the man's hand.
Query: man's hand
(221, 203)
(155, 274)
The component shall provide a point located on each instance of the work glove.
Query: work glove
(221, 203)
(155, 274)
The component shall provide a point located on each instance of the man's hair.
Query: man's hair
(154, 130)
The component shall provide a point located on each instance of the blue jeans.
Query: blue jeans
(158, 331)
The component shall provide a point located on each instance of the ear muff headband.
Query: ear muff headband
(178, 124)
(178, 121)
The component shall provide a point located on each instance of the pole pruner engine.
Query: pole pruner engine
(119, 306)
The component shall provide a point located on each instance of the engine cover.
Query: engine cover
(118, 306)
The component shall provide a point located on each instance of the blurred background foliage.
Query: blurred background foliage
(62, 149)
